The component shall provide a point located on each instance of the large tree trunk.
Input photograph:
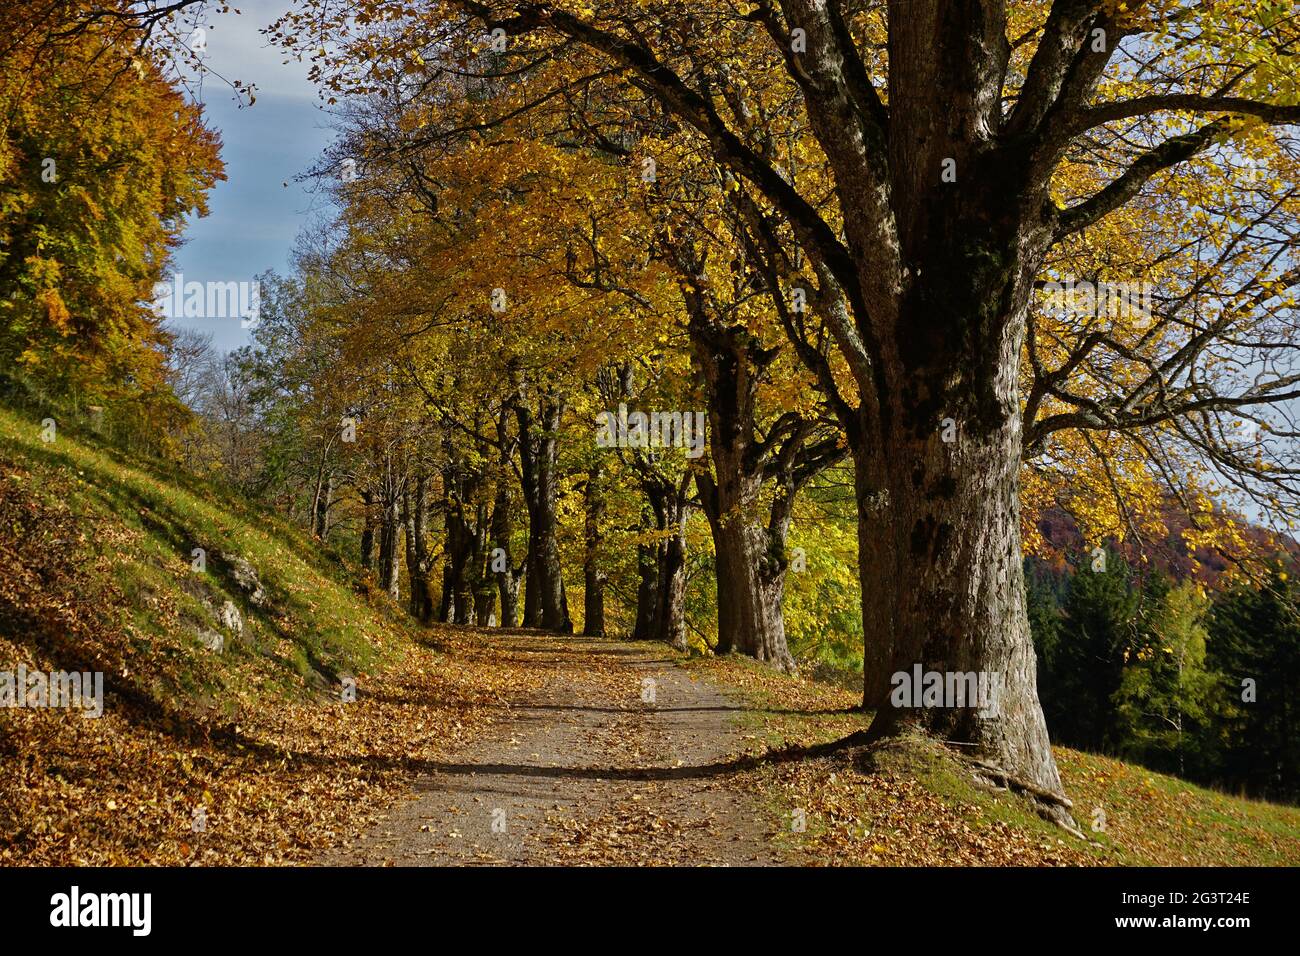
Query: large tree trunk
(462, 595)
(368, 530)
(457, 604)
(507, 575)
(647, 592)
(451, 608)
(418, 561)
(528, 483)
(447, 602)
(943, 306)
(750, 567)
(942, 586)
(555, 612)
(728, 620)
(485, 598)
(412, 561)
(593, 611)
(532, 597)
(544, 600)
(939, 507)
(751, 582)
(390, 530)
(671, 615)
(750, 561)
(664, 616)
(593, 603)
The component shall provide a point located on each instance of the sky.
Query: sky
(254, 216)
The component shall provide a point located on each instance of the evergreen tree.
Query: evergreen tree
(1042, 602)
(1097, 626)
(1255, 644)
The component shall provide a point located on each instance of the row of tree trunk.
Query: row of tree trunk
(746, 491)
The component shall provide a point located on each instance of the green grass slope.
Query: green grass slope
(81, 514)
(97, 574)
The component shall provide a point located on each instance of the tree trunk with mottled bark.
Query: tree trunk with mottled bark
(368, 530)
(502, 565)
(418, 560)
(390, 532)
(750, 556)
(593, 612)
(545, 605)
(647, 592)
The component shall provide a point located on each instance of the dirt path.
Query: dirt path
(610, 762)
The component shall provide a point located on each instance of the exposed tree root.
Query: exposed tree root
(1050, 806)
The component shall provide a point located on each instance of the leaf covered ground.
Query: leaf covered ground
(251, 755)
(248, 755)
(913, 803)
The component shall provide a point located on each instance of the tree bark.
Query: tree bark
(390, 531)
(418, 560)
(453, 608)
(457, 605)
(671, 616)
(728, 622)
(751, 568)
(647, 592)
(593, 612)
(942, 586)
(485, 598)
(665, 617)
(545, 605)
(532, 602)
(750, 560)
(368, 530)
(508, 576)
(939, 498)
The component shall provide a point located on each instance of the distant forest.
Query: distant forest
(1165, 663)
